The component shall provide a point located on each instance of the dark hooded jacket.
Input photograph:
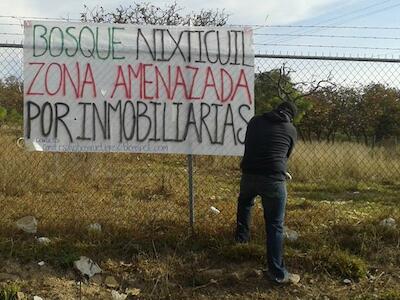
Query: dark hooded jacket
(270, 139)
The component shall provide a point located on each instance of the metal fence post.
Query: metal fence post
(190, 182)
(191, 192)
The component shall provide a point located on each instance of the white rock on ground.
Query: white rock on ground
(37, 298)
(87, 267)
(20, 296)
(389, 222)
(43, 240)
(27, 224)
(118, 296)
(347, 281)
(132, 291)
(215, 210)
(96, 227)
(290, 234)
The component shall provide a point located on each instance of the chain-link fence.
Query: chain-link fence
(348, 147)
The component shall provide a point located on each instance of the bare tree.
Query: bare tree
(293, 91)
(147, 13)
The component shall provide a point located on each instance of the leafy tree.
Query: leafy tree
(266, 90)
(315, 122)
(381, 112)
(370, 114)
(347, 114)
(11, 94)
(275, 86)
(332, 114)
(10, 101)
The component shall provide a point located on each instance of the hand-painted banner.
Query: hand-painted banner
(126, 88)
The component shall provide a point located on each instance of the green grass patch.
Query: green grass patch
(9, 291)
(338, 262)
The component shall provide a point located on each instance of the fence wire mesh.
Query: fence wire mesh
(347, 149)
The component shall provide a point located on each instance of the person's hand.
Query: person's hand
(288, 176)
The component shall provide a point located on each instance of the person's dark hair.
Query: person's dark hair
(288, 107)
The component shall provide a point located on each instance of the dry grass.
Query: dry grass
(141, 203)
(339, 162)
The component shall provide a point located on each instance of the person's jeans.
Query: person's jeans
(273, 195)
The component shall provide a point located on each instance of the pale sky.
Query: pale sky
(249, 11)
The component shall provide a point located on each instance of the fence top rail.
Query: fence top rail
(285, 56)
(7, 45)
(323, 57)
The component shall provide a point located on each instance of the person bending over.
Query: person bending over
(269, 141)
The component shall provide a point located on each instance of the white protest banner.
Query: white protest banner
(128, 88)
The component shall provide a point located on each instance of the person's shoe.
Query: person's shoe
(290, 278)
